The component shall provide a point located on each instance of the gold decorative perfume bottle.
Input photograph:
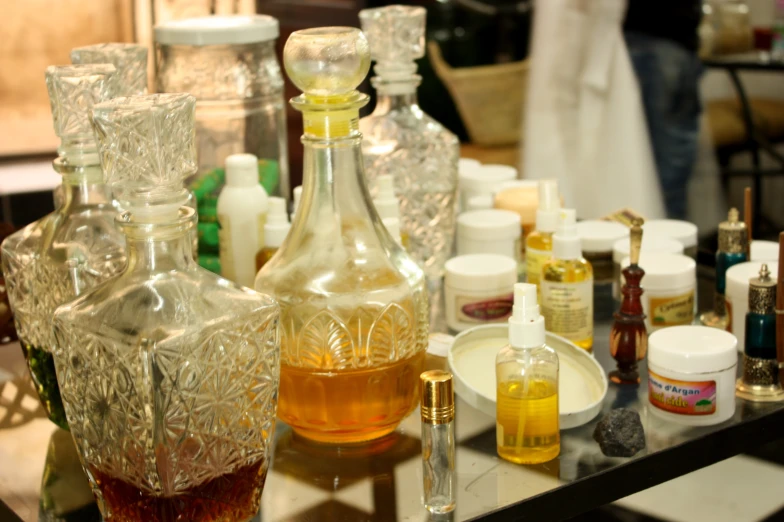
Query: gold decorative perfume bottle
(354, 308)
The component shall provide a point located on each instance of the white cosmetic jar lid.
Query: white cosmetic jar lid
(481, 273)
(664, 245)
(488, 225)
(681, 231)
(600, 236)
(692, 349)
(663, 271)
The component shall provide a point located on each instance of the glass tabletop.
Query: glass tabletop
(752, 60)
(40, 476)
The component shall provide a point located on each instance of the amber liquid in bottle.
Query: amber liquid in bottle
(233, 497)
(360, 405)
(264, 255)
(527, 421)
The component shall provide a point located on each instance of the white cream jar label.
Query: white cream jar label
(681, 397)
(672, 311)
(484, 310)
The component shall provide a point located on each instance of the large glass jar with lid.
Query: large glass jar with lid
(169, 373)
(400, 140)
(78, 245)
(354, 309)
(229, 64)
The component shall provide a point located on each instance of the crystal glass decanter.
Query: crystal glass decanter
(354, 309)
(129, 59)
(403, 141)
(41, 260)
(169, 373)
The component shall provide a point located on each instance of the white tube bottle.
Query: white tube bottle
(242, 213)
(275, 231)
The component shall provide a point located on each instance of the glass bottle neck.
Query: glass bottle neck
(396, 94)
(82, 185)
(159, 247)
(333, 188)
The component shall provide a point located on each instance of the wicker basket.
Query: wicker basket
(489, 98)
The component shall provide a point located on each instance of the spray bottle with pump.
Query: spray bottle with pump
(527, 425)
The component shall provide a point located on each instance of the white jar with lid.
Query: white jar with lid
(652, 244)
(670, 286)
(764, 250)
(489, 232)
(478, 180)
(736, 295)
(691, 375)
(597, 239)
(681, 231)
(478, 289)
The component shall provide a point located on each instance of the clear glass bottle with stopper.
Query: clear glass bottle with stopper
(169, 373)
(129, 59)
(404, 142)
(438, 441)
(354, 310)
(527, 422)
(40, 260)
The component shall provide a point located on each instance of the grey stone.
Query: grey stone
(620, 433)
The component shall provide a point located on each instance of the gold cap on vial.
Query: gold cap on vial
(438, 397)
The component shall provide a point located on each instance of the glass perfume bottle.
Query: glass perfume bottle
(354, 308)
(80, 235)
(437, 407)
(567, 286)
(169, 373)
(733, 247)
(129, 59)
(527, 422)
(404, 142)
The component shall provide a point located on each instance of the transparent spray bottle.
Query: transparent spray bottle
(539, 243)
(527, 425)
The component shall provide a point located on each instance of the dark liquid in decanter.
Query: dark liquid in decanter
(233, 497)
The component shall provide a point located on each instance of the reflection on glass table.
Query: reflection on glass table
(382, 481)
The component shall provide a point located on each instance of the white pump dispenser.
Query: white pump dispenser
(526, 326)
(277, 227)
(387, 204)
(566, 242)
(549, 205)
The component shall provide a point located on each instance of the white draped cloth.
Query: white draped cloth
(584, 121)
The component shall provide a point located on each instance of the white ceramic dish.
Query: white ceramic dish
(582, 383)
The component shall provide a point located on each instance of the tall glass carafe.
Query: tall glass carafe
(403, 141)
(169, 373)
(40, 260)
(354, 309)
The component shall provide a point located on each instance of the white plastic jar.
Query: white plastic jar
(597, 239)
(736, 295)
(764, 250)
(681, 231)
(478, 289)
(479, 180)
(489, 232)
(691, 375)
(670, 286)
(652, 244)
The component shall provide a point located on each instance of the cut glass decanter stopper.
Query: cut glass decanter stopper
(402, 141)
(169, 373)
(354, 309)
(76, 247)
(129, 59)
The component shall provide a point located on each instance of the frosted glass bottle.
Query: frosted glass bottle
(79, 237)
(399, 139)
(354, 309)
(169, 373)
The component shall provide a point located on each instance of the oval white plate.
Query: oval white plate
(582, 383)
